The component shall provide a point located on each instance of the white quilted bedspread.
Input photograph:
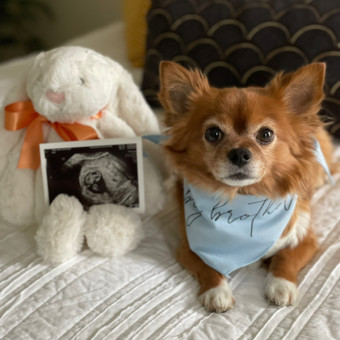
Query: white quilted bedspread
(147, 295)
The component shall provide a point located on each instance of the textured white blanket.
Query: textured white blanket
(146, 294)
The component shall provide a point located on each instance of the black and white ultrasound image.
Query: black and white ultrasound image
(95, 174)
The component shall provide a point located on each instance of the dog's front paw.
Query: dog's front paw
(218, 299)
(280, 291)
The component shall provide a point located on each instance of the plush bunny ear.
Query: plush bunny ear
(133, 108)
(130, 105)
(302, 90)
(176, 85)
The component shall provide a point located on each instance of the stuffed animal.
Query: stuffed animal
(65, 90)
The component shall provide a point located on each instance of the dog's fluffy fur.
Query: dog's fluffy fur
(277, 124)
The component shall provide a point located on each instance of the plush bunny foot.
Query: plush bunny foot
(112, 230)
(60, 234)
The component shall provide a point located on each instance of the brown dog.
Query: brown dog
(251, 141)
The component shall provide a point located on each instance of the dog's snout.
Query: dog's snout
(240, 156)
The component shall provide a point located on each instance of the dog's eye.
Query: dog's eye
(213, 134)
(265, 136)
(82, 81)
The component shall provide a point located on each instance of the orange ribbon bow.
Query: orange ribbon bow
(22, 114)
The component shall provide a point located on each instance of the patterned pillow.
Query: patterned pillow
(245, 42)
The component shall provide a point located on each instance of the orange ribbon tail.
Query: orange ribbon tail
(22, 114)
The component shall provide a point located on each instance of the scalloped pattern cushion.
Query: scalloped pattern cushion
(245, 42)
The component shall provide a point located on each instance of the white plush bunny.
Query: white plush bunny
(74, 85)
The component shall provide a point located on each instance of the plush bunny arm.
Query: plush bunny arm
(8, 139)
(112, 126)
(17, 185)
(133, 108)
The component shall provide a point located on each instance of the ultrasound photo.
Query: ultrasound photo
(94, 172)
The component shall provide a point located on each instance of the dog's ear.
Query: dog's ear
(177, 84)
(302, 90)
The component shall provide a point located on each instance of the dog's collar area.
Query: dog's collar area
(157, 139)
(321, 159)
(230, 234)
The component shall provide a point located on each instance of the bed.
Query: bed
(147, 294)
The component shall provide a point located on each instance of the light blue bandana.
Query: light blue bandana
(230, 234)
(321, 159)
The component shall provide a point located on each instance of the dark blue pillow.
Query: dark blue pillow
(245, 42)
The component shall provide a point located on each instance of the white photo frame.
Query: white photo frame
(95, 171)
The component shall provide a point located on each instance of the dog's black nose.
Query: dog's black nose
(239, 156)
